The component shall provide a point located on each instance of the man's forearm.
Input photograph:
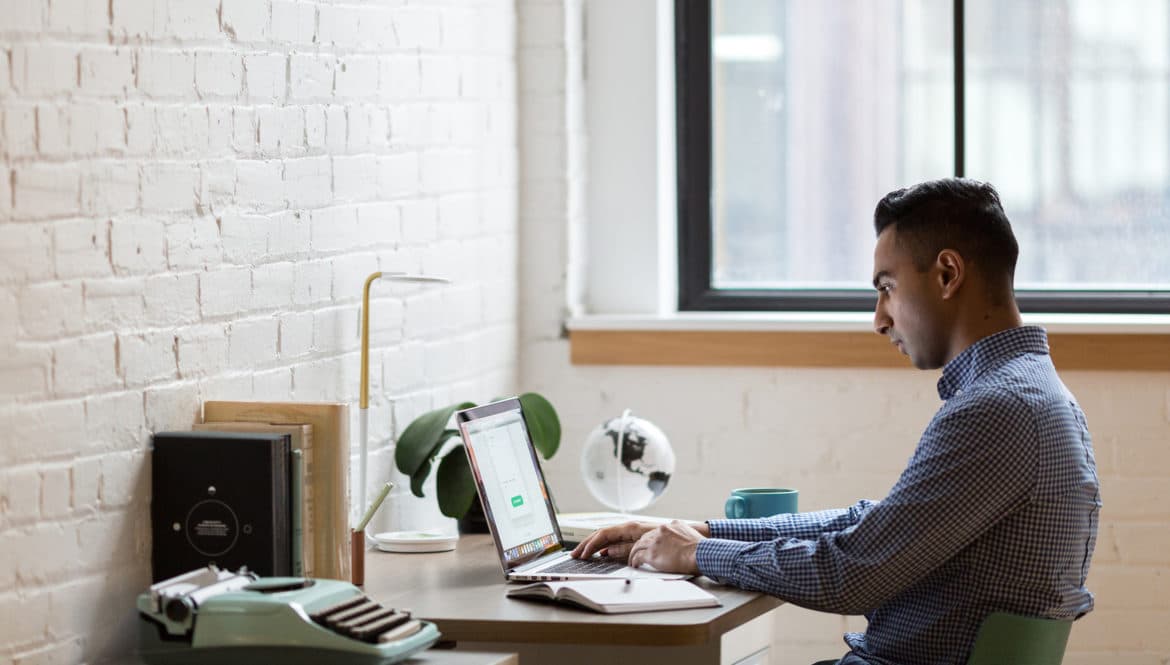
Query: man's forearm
(792, 525)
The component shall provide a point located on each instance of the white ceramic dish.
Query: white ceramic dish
(415, 541)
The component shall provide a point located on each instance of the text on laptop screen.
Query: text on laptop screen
(510, 482)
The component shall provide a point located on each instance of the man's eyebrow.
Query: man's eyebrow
(878, 277)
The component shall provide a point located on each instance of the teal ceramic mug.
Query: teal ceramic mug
(759, 502)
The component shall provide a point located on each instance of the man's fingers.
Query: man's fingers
(587, 547)
(640, 551)
(608, 537)
(581, 546)
(636, 555)
(619, 550)
(596, 541)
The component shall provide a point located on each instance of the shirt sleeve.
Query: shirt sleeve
(793, 525)
(975, 465)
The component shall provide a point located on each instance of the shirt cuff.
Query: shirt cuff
(716, 557)
(741, 529)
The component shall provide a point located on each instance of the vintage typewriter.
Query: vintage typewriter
(215, 616)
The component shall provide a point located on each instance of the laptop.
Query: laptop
(516, 502)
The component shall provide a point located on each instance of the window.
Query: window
(795, 117)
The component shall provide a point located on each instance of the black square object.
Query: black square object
(222, 498)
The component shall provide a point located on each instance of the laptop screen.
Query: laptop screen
(510, 484)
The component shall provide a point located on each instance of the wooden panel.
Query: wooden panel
(440, 656)
(725, 348)
(1070, 351)
(1111, 352)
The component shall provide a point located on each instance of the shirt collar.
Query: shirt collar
(987, 353)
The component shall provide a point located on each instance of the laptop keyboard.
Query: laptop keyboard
(590, 566)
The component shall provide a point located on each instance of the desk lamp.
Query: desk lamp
(364, 407)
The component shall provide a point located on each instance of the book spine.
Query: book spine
(296, 476)
(282, 538)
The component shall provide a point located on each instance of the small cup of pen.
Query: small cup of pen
(357, 539)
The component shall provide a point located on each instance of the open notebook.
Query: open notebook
(616, 596)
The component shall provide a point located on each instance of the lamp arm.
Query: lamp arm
(365, 390)
(364, 402)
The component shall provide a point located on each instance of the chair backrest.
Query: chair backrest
(1009, 639)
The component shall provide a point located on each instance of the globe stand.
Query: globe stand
(620, 457)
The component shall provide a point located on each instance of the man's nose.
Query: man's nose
(881, 322)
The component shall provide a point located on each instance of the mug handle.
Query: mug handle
(735, 507)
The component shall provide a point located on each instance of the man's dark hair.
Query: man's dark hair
(953, 213)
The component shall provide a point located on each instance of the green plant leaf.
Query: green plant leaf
(542, 422)
(421, 439)
(419, 477)
(456, 486)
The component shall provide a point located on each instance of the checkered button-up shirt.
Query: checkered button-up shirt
(996, 511)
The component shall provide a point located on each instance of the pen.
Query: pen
(373, 508)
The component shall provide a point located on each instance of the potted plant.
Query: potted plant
(421, 442)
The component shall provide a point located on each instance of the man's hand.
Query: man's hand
(617, 541)
(669, 548)
(612, 541)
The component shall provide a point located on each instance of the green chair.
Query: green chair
(1009, 639)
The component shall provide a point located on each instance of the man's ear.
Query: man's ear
(952, 272)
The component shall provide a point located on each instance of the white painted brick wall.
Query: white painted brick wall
(192, 193)
(106, 70)
(138, 246)
(85, 365)
(733, 427)
(147, 357)
(52, 309)
(116, 301)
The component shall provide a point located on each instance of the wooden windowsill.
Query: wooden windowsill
(842, 344)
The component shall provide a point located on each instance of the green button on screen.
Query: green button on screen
(517, 501)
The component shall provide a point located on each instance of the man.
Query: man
(997, 509)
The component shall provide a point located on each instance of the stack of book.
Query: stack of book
(257, 484)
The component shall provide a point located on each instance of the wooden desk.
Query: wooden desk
(463, 593)
(447, 657)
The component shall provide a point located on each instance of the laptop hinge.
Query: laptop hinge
(537, 562)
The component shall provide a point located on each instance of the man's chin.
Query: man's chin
(920, 363)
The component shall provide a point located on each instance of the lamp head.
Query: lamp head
(405, 277)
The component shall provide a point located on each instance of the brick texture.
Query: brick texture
(192, 193)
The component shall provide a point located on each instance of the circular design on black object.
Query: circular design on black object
(212, 527)
(278, 584)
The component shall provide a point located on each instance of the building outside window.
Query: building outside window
(815, 110)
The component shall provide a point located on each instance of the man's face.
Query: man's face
(910, 309)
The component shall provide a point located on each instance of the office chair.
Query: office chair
(1009, 639)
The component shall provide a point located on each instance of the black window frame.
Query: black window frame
(692, 30)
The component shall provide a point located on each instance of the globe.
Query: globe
(627, 463)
